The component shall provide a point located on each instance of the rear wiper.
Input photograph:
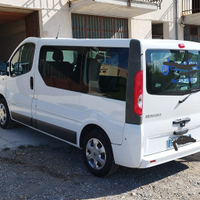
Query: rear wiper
(191, 92)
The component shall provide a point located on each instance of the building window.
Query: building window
(157, 31)
(192, 33)
(195, 6)
(85, 26)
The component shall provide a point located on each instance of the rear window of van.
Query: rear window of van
(172, 72)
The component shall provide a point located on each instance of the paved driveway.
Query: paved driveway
(24, 136)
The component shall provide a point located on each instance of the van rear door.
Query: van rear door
(171, 110)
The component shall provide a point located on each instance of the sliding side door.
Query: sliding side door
(57, 90)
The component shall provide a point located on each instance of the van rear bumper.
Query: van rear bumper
(169, 155)
(131, 152)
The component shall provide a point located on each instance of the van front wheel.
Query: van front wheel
(97, 153)
(5, 120)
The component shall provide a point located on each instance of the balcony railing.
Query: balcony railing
(190, 7)
(157, 2)
(114, 8)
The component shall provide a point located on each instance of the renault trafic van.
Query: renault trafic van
(128, 102)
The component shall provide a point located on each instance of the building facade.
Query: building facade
(165, 19)
(190, 19)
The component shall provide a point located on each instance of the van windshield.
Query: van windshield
(172, 72)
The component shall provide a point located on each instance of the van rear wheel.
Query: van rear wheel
(5, 120)
(97, 153)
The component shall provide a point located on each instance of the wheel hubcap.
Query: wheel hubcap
(3, 115)
(96, 154)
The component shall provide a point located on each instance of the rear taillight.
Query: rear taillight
(181, 46)
(138, 93)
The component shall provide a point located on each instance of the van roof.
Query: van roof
(146, 43)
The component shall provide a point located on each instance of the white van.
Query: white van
(130, 102)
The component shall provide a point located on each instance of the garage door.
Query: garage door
(15, 25)
(32, 25)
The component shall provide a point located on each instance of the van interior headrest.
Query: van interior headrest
(58, 55)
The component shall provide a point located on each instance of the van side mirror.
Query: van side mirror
(3, 68)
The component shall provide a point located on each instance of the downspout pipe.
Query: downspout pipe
(176, 18)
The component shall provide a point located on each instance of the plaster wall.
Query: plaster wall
(53, 22)
(140, 29)
(35, 4)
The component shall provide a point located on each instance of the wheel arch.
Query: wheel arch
(89, 128)
(2, 97)
(8, 123)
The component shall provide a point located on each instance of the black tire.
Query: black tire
(99, 160)
(5, 120)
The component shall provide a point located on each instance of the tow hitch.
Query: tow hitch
(182, 140)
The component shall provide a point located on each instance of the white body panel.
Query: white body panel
(19, 95)
(106, 113)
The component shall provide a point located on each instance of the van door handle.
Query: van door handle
(181, 121)
(31, 83)
(180, 132)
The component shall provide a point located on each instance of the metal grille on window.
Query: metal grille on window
(192, 33)
(84, 26)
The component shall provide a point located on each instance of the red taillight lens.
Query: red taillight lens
(181, 46)
(138, 93)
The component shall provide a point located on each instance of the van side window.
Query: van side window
(60, 66)
(105, 72)
(22, 61)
